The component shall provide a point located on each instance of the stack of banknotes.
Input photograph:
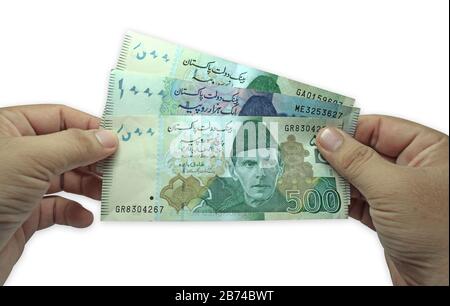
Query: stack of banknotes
(203, 138)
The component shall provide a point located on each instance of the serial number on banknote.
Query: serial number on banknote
(137, 209)
(312, 96)
(318, 111)
(303, 128)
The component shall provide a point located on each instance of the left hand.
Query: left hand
(46, 149)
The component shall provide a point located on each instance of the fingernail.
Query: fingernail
(107, 138)
(330, 139)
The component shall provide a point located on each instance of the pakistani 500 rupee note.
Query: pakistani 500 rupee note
(220, 168)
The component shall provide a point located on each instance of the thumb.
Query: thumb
(64, 151)
(362, 166)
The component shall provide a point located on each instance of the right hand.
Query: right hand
(400, 171)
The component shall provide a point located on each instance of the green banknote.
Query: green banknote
(203, 168)
(132, 93)
(147, 54)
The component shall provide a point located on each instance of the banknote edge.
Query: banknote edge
(109, 107)
(346, 185)
(106, 166)
(107, 111)
(345, 195)
(122, 61)
(354, 120)
(341, 181)
(107, 177)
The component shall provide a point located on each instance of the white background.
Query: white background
(392, 56)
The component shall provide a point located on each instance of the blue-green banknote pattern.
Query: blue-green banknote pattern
(133, 93)
(205, 168)
(142, 53)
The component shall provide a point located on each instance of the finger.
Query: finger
(77, 182)
(62, 211)
(60, 152)
(43, 119)
(57, 210)
(394, 137)
(359, 164)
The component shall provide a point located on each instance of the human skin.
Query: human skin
(400, 173)
(45, 149)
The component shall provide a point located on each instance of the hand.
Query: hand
(400, 170)
(45, 149)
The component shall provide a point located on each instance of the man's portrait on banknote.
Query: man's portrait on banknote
(255, 165)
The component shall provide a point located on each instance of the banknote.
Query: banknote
(143, 53)
(204, 168)
(132, 93)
